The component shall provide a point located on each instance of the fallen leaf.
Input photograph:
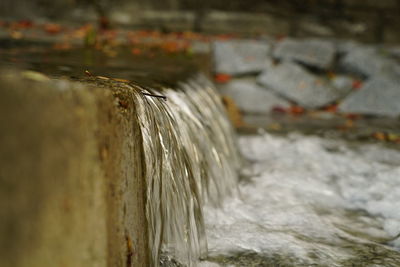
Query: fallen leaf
(222, 78)
(349, 124)
(379, 136)
(62, 46)
(353, 116)
(331, 108)
(136, 51)
(296, 110)
(16, 35)
(331, 75)
(357, 84)
(278, 109)
(52, 28)
(275, 126)
(23, 24)
(393, 137)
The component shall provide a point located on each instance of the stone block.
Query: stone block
(252, 98)
(378, 96)
(240, 56)
(368, 61)
(298, 85)
(312, 52)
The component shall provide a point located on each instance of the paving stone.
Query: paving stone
(368, 61)
(295, 83)
(378, 96)
(343, 84)
(343, 47)
(240, 56)
(252, 98)
(313, 52)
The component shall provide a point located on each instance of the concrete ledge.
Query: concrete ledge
(71, 187)
(244, 23)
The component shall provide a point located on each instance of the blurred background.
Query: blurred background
(369, 21)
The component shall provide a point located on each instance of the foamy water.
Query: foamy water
(308, 200)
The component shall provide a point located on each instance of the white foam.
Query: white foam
(302, 197)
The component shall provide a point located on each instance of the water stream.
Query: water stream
(301, 201)
(191, 158)
(309, 201)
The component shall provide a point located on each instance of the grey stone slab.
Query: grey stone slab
(240, 56)
(368, 61)
(378, 96)
(343, 84)
(313, 52)
(252, 98)
(343, 47)
(295, 83)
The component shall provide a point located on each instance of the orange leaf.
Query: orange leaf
(331, 74)
(357, 84)
(24, 24)
(296, 110)
(379, 136)
(222, 78)
(136, 51)
(353, 116)
(52, 28)
(393, 137)
(331, 108)
(62, 46)
(278, 109)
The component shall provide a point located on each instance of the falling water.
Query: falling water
(190, 158)
(307, 201)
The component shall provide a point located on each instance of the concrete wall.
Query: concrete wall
(71, 187)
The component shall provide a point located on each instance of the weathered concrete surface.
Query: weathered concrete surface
(243, 23)
(70, 191)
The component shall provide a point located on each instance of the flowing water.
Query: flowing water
(191, 158)
(301, 201)
(309, 201)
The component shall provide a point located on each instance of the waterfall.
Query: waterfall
(191, 157)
